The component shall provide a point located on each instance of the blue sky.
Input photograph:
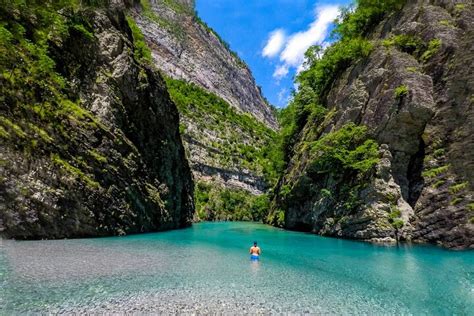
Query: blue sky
(271, 35)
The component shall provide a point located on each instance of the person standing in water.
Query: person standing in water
(255, 252)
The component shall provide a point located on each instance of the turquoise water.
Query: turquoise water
(206, 268)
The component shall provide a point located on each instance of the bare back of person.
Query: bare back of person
(254, 250)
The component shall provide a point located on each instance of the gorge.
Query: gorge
(122, 119)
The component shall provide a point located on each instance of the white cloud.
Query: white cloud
(275, 43)
(298, 43)
(283, 96)
(281, 71)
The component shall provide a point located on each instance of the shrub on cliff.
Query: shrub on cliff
(347, 149)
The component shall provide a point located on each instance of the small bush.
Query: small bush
(458, 187)
(439, 152)
(439, 183)
(98, 157)
(446, 23)
(413, 69)
(141, 50)
(397, 223)
(456, 201)
(345, 149)
(395, 213)
(8, 124)
(401, 91)
(459, 8)
(432, 173)
(407, 43)
(394, 218)
(433, 47)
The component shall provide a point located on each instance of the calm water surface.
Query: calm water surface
(206, 269)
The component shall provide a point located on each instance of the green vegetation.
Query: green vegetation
(433, 47)
(141, 50)
(177, 6)
(439, 152)
(447, 23)
(41, 133)
(415, 46)
(9, 125)
(394, 213)
(241, 140)
(74, 171)
(394, 218)
(439, 183)
(432, 173)
(276, 218)
(322, 68)
(456, 200)
(456, 188)
(401, 91)
(359, 22)
(41, 106)
(460, 6)
(27, 66)
(323, 71)
(407, 43)
(94, 154)
(346, 155)
(413, 69)
(397, 223)
(173, 26)
(347, 149)
(216, 203)
(4, 133)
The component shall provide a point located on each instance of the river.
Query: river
(206, 268)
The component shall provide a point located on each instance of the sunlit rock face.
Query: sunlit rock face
(419, 109)
(184, 47)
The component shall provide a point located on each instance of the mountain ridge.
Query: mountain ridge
(186, 48)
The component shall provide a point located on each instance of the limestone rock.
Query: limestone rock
(111, 163)
(425, 176)
(184, 47)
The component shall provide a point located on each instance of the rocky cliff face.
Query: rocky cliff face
(414, 94)
(184, 47)
(90, 137)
